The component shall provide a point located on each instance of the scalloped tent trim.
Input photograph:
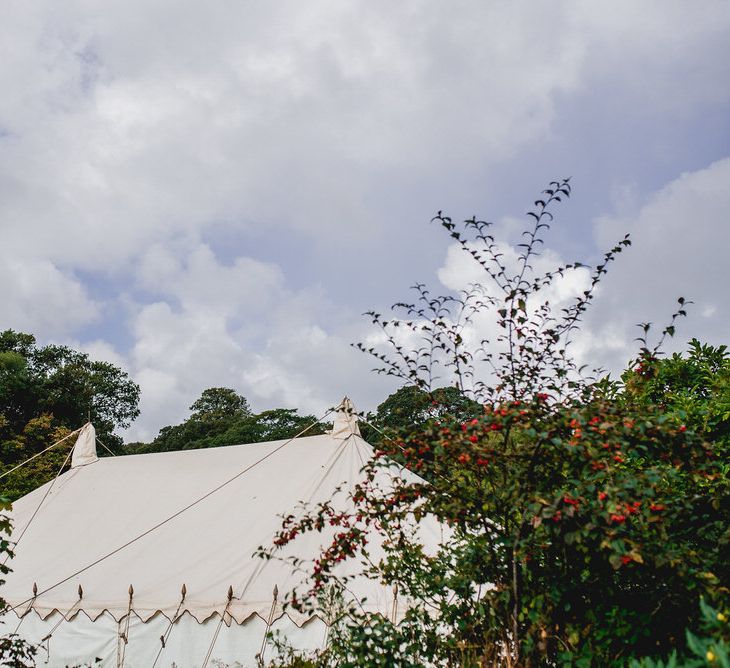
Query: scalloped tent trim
(300, 620)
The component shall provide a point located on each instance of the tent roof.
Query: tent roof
(158, 521)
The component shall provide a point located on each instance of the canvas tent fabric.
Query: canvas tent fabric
(84, 451)
(115, 539)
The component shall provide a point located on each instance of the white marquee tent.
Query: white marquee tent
(147, 560)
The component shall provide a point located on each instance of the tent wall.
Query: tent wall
(81, 641)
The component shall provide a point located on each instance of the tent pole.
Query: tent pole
(124, 636)
(394, 614)
(269, 622)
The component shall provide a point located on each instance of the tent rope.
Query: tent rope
(27, 612)
(361, 417)
(394, 442)
(124, 636)
(218, 627)
(200, 499)
(38, 454)
(269, 622)
(64, 617)
(166, 636)
(106, 448)
(45, 496)
(262, 564)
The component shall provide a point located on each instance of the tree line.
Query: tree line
(46, 392)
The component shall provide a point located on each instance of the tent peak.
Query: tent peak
(345, 423)
(84, 451)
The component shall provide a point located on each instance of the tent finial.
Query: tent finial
(345, 424)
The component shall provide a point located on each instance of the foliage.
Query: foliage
(585, 518)
(45, 393)
(711, 648)
(411, 405)
(38, 434)
(14, 651)
(222, 417)
(694, 387)
(63, 382)
(219, 403)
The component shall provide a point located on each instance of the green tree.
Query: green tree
(694, 387)
(220, 416)
(65, 383)
(274, 425)
(48, 391)
(411, 406)
(219, 403)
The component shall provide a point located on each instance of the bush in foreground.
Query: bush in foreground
(586, 518)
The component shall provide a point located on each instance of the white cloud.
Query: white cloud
(199, 282)
(40, 298)
(238, 326)
(460, 271)
(132, 124)
(242, 325)
(102, 351)
(680, 239)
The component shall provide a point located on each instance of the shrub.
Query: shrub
(587, 517)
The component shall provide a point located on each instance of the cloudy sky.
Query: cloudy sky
(213, 193)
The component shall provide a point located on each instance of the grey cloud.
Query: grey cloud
(680, 239)
(133, 133)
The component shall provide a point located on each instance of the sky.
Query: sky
(212, 194)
